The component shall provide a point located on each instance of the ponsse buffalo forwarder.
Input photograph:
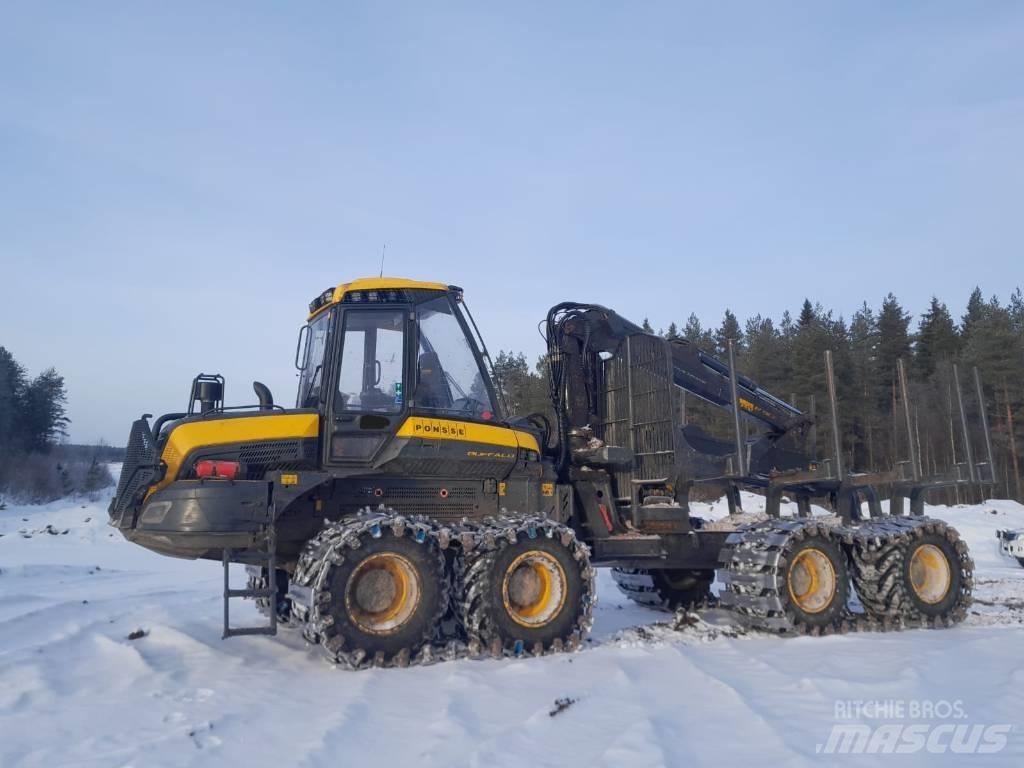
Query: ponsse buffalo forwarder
(397, 514)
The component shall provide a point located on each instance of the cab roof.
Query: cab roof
(336, 295)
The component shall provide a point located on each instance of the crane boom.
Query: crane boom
(591, 328)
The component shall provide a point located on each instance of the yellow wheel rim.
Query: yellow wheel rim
(930, 575)
(812, 581)
(534, 588)
(382, 593)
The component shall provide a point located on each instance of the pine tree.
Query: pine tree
(809, 343)
(974, 314)
(694, 333)
(937, 340)
(647, 328)
(807, 314)
(12, 389)
(765, 358)
(672, 332)
(865, 390)
(893, 345)
(43, 419)
(524, 391)
(837, 337)
(729, 329)
(786, 327)
(1017, 311)
(893, 336)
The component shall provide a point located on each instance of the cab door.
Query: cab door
(452, 414)
(368, 400)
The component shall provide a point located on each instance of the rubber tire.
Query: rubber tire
(832, 615)
(488, 620)
(1021, 561)
(949, 602)
(664, 588)
(421, 626)
(878, 580)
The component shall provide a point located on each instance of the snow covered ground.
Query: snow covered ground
(75, 691)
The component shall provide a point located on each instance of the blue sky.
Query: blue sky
(179, 180)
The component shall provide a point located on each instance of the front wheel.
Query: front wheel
(383, 599)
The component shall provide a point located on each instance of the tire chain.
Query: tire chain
(462, 540)
(750, 558)
(875, 548)
(877, 552)
(472, 580)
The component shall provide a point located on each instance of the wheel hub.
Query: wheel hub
(812, 581)
(383, 593)
(534, 588)
(930, 575)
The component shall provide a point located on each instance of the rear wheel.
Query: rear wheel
(665, 588)
(878, 577)
(815, 582)
(936, 575)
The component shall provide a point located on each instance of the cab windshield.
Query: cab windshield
(311, 376)
(449, 376)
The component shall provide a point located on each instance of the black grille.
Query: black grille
(424, 500)
(427, 492)
(269, 452)
(138, 472)
(258, 458)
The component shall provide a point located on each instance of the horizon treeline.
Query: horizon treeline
(786, 357)
(35, 465)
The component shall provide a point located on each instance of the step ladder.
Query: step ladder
(267, 558)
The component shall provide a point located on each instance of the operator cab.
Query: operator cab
(380, 349)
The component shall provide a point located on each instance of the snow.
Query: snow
(74, 691)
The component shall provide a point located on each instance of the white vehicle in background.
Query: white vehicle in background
(1012, 543)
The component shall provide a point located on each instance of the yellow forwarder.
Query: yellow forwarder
(397, 513)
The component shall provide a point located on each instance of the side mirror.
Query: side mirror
(300, 347)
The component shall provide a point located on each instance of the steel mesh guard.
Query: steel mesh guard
(639, 408)
(137, 472)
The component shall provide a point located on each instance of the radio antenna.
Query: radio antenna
(382, 250)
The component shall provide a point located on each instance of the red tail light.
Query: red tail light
(216, 469)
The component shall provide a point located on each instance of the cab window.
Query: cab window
(449, 377)
(311, 376)
(370, 377)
